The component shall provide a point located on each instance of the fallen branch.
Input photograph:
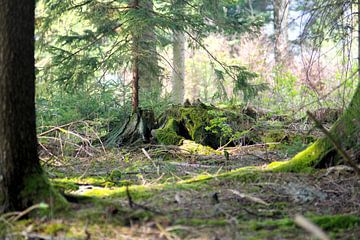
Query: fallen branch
(249, 197)
(301, 221)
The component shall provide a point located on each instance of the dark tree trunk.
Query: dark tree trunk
(21, 177)
(135, 85)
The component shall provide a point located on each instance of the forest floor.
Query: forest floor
(191, 192)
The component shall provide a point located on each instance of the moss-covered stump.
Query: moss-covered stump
(205, 125)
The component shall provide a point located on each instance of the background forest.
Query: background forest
(194, 119)
(219, 52)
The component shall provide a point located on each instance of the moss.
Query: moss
(195, 148)
(245, 174)
(305, 160)
(38, 189)
(193, 123)
(281, 223)
(199, 178)
(202, 222)
(136, 192)
(54, 228)
(328, 223)
(336, 222)
(64, 186)
(273, 136)
(346, 131)
(196, 119)
(169, 134)
(96, 181)
(115, 175)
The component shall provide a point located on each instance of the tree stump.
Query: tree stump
(137, 129)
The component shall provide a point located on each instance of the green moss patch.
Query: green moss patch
(304, 161)
(327, 223)
(169, 135)
(202, 222)
(194, 148)
(38, 189)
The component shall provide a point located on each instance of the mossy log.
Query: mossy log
(322, 153)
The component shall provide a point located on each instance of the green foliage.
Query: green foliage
(79, 44)
(328, 23)
(102, 103)
(219, 126)
(241, 78)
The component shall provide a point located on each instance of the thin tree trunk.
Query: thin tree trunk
(178, 76)
(21, 179)
(135, 85)
(135, 65)
(281, 12)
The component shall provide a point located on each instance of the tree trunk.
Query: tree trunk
(145, 69)
(281, 12)
(135, 85)
(178, 76)
(135, 65)
(149, 81)
(22, 182)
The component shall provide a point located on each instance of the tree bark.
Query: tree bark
(135, 85)
(145, 76)
(149, 81)
(178, 76)
(281, 12)
(22, 182)
(135, 65)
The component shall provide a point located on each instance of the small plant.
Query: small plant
(219, 126)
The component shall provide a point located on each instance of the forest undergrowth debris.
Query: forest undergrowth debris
(193, 191)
